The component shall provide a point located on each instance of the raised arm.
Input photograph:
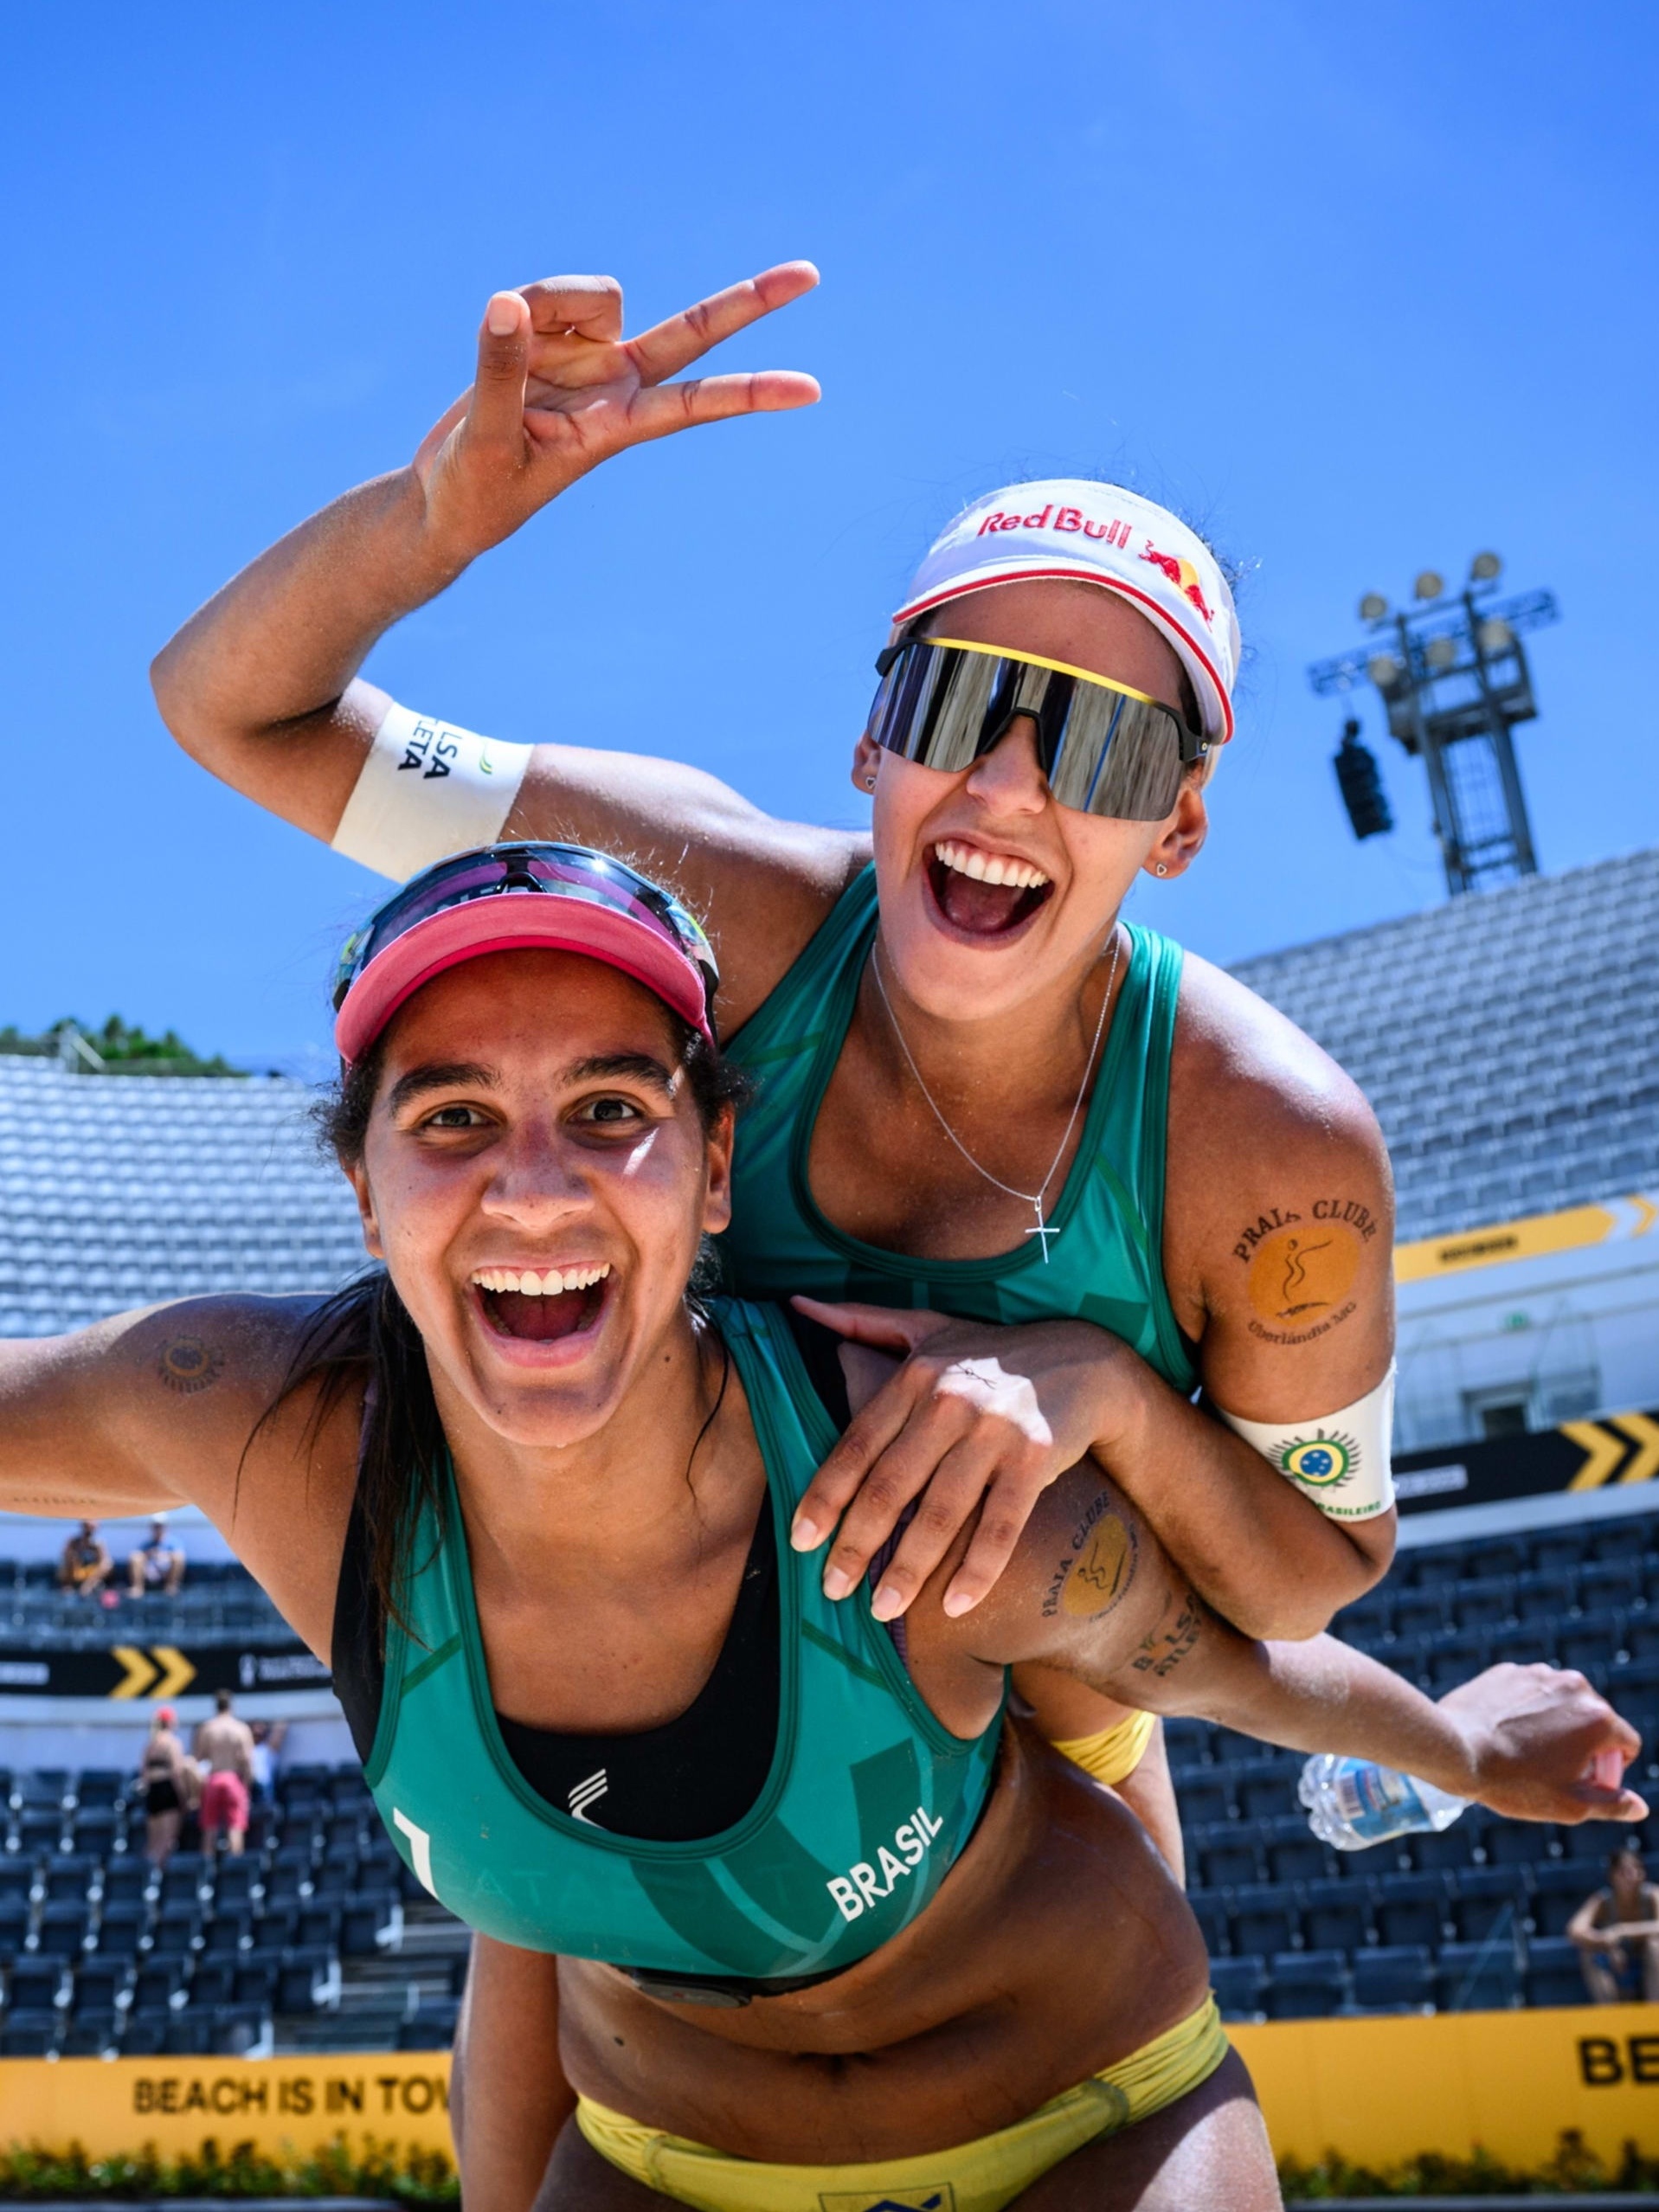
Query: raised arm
(166, 1407)
(1092, 1593)
(262, 685)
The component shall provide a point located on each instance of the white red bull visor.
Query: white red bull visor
(1095, 533)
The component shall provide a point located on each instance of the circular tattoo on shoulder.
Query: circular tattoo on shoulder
(188, 1364)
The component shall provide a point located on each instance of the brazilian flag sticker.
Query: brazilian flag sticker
(1322, 1462)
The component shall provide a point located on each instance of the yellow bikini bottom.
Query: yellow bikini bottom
(1113, 1755)
(979, 2177)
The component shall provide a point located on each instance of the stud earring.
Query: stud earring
(1160, 870)
(870, 783)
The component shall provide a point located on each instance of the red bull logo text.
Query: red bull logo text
(1067, 520)
(1062, 518)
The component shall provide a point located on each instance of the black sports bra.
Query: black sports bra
(692, 1777)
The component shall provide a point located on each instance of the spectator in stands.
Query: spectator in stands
(1617, 1934)
(224, 1747)
(86, 1564)
(156, 1566)
(166, 1778)
(261, 1764)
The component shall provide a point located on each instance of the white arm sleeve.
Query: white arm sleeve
(427, 789)
(1341, 1462)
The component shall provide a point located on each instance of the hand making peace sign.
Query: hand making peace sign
(560, 390)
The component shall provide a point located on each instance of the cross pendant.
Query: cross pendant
(1043, 1230)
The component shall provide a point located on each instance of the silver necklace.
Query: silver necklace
(1032, 1198)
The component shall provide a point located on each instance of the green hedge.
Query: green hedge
(416, 2177)
(1573, 2170)
(383, 2171)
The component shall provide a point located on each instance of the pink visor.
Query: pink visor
(509, 920)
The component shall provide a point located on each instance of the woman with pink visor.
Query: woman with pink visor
(1077, 1176)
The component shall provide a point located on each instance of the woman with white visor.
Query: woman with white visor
(981, 1095)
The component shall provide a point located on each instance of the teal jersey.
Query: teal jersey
(1105, 1258)
(869, 1802)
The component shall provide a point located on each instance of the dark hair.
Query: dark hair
(222, 1700)
(363, 1334)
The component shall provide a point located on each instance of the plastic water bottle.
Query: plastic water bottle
(1353, 1803)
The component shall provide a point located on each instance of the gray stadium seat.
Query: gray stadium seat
(1393, 1978)
(1238, 1984)
(1306, 1984)
(1478, 1976)
(1554, 1973)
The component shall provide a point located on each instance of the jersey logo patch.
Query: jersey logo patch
(587, 1793)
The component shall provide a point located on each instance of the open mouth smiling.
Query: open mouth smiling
(541, 1306)
(985, 894)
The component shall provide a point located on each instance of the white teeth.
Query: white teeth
(991, 868)
(529, 1284)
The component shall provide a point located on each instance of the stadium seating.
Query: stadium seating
(1474, 1917)
(102, 1955)
(179, 1185)
(1439, 1017)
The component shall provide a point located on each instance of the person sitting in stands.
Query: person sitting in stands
(86, 1564)
(224, 1745)
(157, 1566)
(1617, 1934)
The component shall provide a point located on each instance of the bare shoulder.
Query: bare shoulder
(1260, 1117)
(1257, 1069)
(1278, 1224)
(218, 1392)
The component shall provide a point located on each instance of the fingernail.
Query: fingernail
(836, 1583)
(957, 1602)
(886, 1605)
(501, 319)
(804, 1536)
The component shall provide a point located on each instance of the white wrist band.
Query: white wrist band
(427, 789)
(1341, 1461)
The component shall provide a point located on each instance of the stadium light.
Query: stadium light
(1454, 676)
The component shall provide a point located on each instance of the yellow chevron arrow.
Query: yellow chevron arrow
(178, 1671)
(1604, 1453)
(1640, 1429)
(140, 1673)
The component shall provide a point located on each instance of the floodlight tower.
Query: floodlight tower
(1453, 678)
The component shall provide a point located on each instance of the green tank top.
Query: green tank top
(869, 1802)
(1104, 1262)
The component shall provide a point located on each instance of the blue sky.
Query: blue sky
(1358, 299)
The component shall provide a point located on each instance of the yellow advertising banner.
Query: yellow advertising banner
(1612, 1221)
(1378, 2090)
(117, 2105)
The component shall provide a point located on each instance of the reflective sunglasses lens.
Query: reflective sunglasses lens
(1117, 758)
(1103, 752)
